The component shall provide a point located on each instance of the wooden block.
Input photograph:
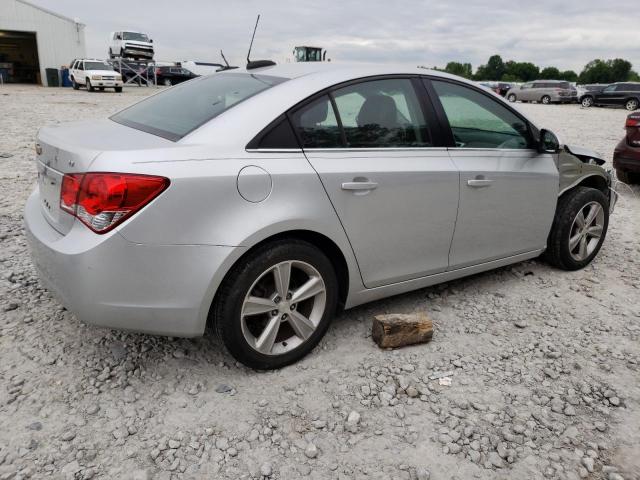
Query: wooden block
(397, 330)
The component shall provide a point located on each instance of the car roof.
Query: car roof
(338, 72)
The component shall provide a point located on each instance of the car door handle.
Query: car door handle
(359, 185)
(479, 182)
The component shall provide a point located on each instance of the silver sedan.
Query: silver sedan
(261, 200)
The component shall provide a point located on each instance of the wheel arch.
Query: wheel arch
(592, 181)
(324, 243)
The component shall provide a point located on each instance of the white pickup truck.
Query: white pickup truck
(94, 74)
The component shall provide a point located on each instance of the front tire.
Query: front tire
(631, 104)
(74, 84)
(89, 86)
(276, 304)
(579, 228)
(587, 102)
(167, 82)
(118, 89)
(546, 99)
(512, 98)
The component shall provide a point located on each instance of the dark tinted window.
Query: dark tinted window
(185, 107)
(382, 114)
(277, 135)
(317, 125)
(634, 87)
(478, 121)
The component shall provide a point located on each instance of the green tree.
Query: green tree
(549, 73)
(521, 71)
(461, 69)
(493, 70)
(606, 71)
(569, 76)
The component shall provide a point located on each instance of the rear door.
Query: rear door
(508, 191)
(608, 95)
(377, 151)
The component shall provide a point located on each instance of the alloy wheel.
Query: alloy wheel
(632, 105)
(283, 307)
(546, 100)
(587, 102)
(586, 231)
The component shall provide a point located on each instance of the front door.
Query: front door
(395, 193)
(609, 96)
(508, 191)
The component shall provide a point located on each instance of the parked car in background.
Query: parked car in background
(92, 74)
(625, 94)
(501, 88)
(200, 68)
(626, 156)
(260, 200)
(593, 87)
(543, 91)
(172, 75)
(128, 44)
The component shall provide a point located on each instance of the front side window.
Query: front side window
(317, 126)
(478, 121)
(610, 88)
(382, 114)
(177, 111)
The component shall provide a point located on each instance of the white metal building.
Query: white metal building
(33, 39)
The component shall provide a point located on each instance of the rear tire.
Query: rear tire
(573, 243)
(167, 82)
(244, 334)
(546, 99)
(631, 104)
(512, 98)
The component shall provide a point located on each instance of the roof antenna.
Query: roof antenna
(252, 37)
(256, 63)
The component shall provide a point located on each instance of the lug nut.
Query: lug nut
(293, 307)
(274, 313)
(277, 299)
(284, 316)
(289, 296)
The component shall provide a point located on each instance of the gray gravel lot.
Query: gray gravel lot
(545, 364)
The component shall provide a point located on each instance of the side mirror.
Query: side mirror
(151, 40)
(549, 143)
(118, 37)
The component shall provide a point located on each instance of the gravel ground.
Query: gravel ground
(544, 364)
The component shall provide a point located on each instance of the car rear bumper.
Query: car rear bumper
(106, 280)
(627, 164)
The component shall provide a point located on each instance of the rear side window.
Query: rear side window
(478, 121)
(317, 125)
(382, 114)
(177, 111)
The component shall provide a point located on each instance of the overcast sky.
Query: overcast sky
(564, 34)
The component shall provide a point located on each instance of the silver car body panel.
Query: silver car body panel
(158, 271)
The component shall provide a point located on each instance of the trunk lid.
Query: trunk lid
(72, 148)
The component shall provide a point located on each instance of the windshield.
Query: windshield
(140, 37)
(97, 66)
(185, 107)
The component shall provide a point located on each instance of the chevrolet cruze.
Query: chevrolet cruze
(261, 200)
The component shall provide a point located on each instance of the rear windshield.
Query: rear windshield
(181, 109)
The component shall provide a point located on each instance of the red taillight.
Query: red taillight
(103, 200)
(633, 121)
(157, 71)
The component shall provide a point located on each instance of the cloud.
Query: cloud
(545, 32)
